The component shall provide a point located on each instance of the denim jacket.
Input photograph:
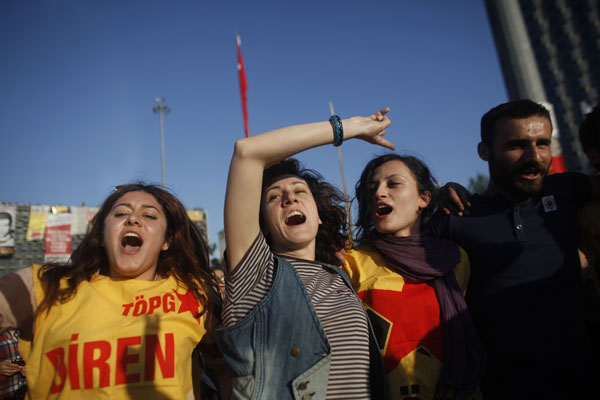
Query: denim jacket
(280, 350)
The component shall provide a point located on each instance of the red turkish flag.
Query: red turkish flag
(558, 165)
(243, 82)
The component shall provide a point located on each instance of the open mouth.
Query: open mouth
(131, 240)
(295, 218)
(383, 209)
(532, 172)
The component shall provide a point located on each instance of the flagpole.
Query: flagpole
(346, 199)
(243, 82)
(161, 109)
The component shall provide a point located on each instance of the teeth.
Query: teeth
(293, 214)
(131, 239)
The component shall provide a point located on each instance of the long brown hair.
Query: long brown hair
(186, 259)
(426, 183)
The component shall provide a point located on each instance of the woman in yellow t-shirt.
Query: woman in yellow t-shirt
(122, 318)
(404, 276)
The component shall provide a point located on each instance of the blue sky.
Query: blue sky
(78, 81)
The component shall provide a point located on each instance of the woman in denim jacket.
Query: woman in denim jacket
(293, 326)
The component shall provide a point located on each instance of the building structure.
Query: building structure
(27, 252)
(221, 245)
(549, 51)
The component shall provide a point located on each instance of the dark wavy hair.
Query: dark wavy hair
(5, 215)
(364, 194)
(332, 233)
(516, 109)
(8, 216)
(187, 258)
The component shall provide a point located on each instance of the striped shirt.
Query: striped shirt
(338, 308)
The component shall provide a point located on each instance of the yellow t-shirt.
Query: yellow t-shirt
(406, 319)
(116, 339)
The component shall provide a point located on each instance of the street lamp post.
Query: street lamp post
(161, 109)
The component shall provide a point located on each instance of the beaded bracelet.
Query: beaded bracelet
(338, 130)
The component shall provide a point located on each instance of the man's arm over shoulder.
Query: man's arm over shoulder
(453, 198)
(576, 185)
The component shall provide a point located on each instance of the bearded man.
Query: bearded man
(521, 238)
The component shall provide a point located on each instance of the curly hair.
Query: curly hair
(186, 259)
(332, 233)
(364, 194)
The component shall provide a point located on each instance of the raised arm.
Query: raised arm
(253, 154)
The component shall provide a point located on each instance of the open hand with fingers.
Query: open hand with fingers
(454, 198)
(370, 129)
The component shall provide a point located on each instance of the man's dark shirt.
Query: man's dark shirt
(525, 288)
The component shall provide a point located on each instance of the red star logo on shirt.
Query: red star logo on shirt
(189, 302)
(406, 320)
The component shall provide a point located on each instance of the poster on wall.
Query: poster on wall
(196, 215)
(59, 209)
(8, 217)
(81, 218)
(37, 222)
(58, 238)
